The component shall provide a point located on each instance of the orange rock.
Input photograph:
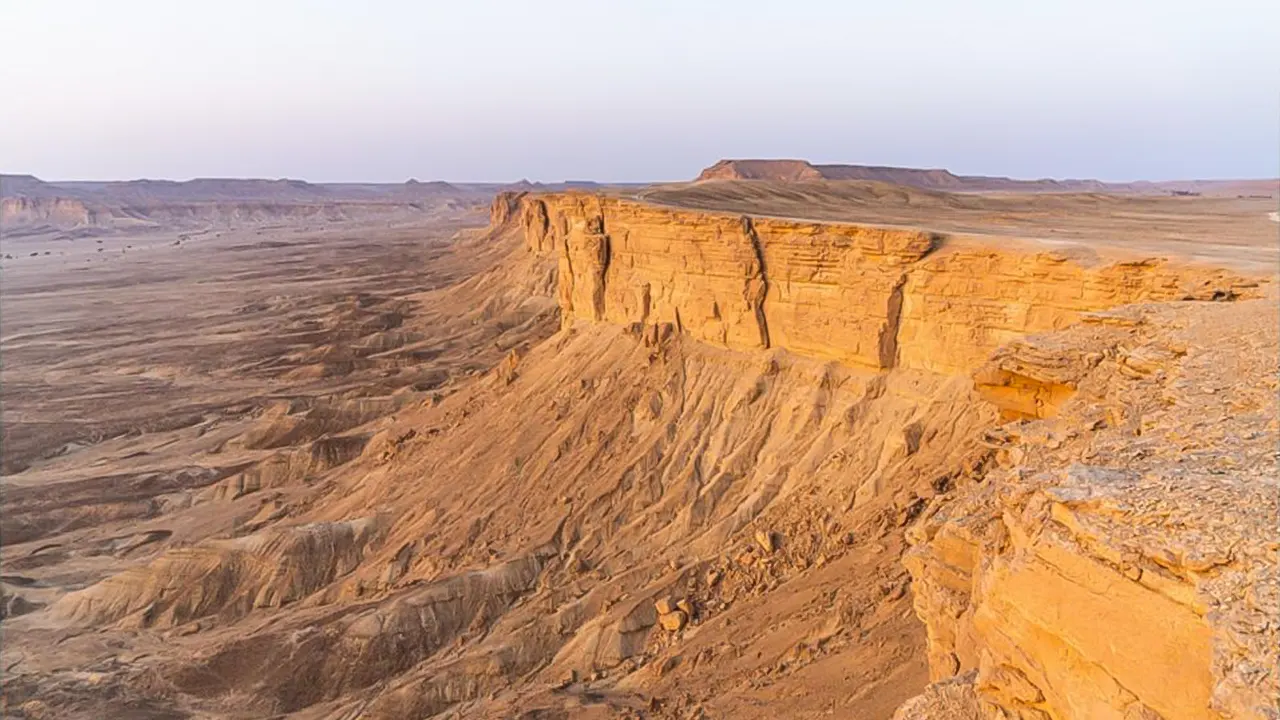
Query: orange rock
(673, 621)
(865, 296)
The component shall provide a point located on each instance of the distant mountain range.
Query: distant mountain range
(29, 205)
(220, 189)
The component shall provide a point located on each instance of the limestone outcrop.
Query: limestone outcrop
(70, 212)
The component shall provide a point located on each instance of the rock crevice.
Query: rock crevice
(757, 288)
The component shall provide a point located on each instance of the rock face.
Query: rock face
(1117, 563)
(1128, 571)
(504, 206)
(863, 296)
(60, 211)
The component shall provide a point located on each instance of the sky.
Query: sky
(636, 90)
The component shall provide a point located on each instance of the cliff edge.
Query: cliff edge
(1119, 557)
(875, 297)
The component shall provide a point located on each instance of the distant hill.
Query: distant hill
(926, 179)
(30, 205)
(939, 179)
(221, 190)
(784, 170)
(202, 190)
(26, 186)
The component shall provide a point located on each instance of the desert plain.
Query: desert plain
(784, 441)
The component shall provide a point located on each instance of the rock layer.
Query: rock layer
(867, 296)
(1077, 580)
(1122, 561)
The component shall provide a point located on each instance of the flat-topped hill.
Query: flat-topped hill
(938, 179)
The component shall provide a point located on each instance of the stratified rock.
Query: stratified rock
(865, 296)
(1120, 568)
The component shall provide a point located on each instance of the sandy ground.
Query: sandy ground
(103, 339)
(122, 368)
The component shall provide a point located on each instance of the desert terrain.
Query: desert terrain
(785, 441)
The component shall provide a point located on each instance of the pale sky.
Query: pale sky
(636, 90)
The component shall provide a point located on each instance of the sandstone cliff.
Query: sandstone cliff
(1079, 579)
(1121, 561)
(61, 211)
(876, 297)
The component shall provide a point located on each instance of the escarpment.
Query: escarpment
(20, 210)
(876, 297)
(620, 458)
(1119, 558)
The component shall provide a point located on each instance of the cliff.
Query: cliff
(30, 206)
(57, 211)
(1121, 560)
(1117, 561)
(624, 456)
(876, 297)
(35, 214)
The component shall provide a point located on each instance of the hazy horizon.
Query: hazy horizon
(500, 91)
(571, 180)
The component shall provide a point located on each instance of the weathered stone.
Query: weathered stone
(869, 296)
(1127, 587)
(673, 621)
